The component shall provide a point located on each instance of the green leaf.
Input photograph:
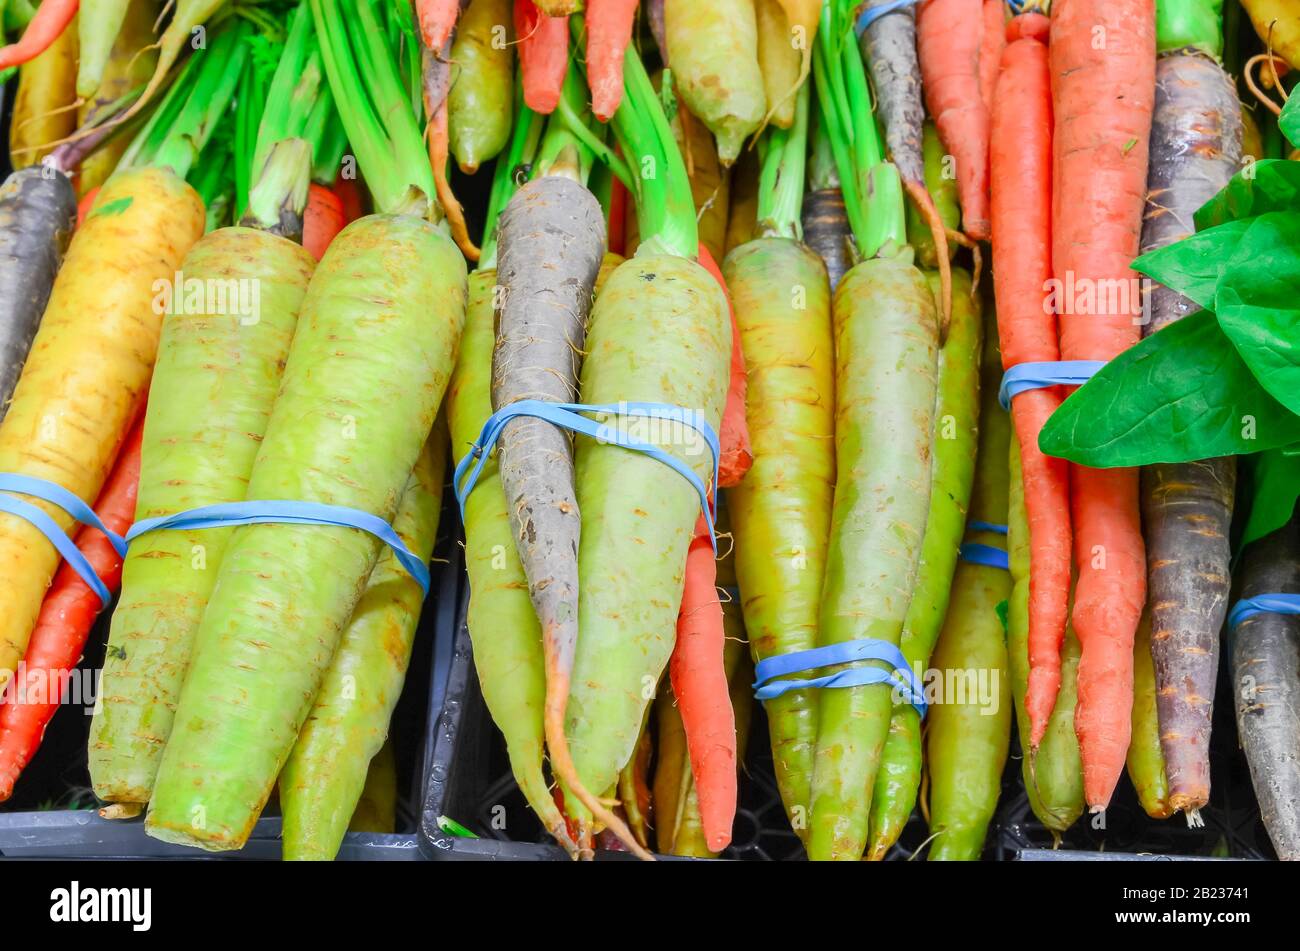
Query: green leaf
(1289, 122)
(1263, 186)
(1181, 394)
(1275, 486)
(1258, 303)
(1192, 266)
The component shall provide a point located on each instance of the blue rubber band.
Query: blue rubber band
(60, 540)
(1263, 604)
(977, 554)
(1035, 376)
(288, 512)
(74, 507)
(766, 686)
(568, 416)
(978, 526)
(871, 14)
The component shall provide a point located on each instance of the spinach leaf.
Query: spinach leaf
(1263, 186)
(1192, 266)
(1289, 122)
(1181, 394)
(1258, 303)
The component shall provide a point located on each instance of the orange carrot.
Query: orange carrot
(67, 614)
(323, 219)
(87, 202)
(1103, 95)
(543, 55)
(609, 30)
(737, 456)
(1021, 212)
(992, 42)
(948, 36)
(51, 19)
(699, 679)
(437, 20)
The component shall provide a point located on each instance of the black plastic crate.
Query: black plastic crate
(470, 782)
(53, 814)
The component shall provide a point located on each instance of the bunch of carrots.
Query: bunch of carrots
(726, 375)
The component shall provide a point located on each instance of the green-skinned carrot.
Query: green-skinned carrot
(377, 809)
(322, 783)
(781, 511)
(98, 24)
(639, 517)
(956, 433)
(479, 103)
(886, 367)
(379, 328)
(366, 372)
(1146, 760)
(970, 722)
(943, 191)
(191, 458)
(217, 375)
(1053, 779)
(713, 48)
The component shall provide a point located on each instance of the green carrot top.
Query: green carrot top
(512, 170)
(652, 168)
(873, 191)
(781, 180)
(194, 106)
(378, 113)
(1190, 23)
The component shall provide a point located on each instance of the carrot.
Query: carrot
(1187, 507)
(187, 15)
(948, 38)
(322, 783)
(969, 731)
(638, 524)
(378, 328)
(97, 30)
(713, 50)
(437, 20)
(68, 612)
(1266, 687)
(609, 30)
(780, 513)
(37, 211)
(1145, 760)
(825, 224)
(960, 427)
(551, 236)
(323, 219)
(737, 456)
(1102, 103)
(1275, 23)
(889, 47)
(1021, 214)
(543, 55)
(131, 61)
(51, 21)
(44, 109)
(679, 825)
(1054, 778)
(779, 59)
(634, 793)
(479, 102)
(503, 625)
(377, 808)
(69, 415)
(191, 457)
(993, 40)
(389, 293)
